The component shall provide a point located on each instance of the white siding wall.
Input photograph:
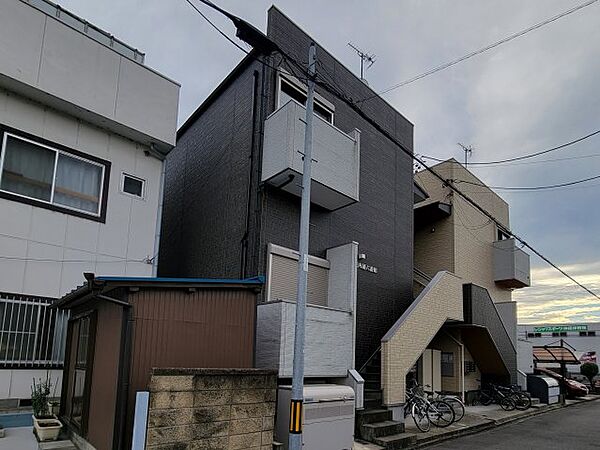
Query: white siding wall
(71, 245)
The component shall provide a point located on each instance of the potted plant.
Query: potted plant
(46, 426)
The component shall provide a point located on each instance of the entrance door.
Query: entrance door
(431, 370)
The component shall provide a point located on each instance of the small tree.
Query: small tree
(589, 370)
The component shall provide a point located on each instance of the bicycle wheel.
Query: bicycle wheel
(421, 419)
(458, 407)
(485, 399)
(507, 404)
(522, 401)
(440, 413)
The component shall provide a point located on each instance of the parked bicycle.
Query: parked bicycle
(490, 393)
(426, 412)
(454, 401)
(521, 398)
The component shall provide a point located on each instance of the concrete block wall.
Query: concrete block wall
(220, 409)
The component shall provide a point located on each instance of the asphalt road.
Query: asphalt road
(573, 428)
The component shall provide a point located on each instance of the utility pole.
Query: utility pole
(296, 404)
(468, 149)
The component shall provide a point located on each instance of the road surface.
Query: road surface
(573, 428)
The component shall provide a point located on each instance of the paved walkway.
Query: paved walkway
(18, 439)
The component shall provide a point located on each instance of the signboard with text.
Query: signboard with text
(559, 328)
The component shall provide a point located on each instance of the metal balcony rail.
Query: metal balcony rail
(32, 335)
(87, 28)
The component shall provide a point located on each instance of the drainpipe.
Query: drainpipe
(462, 365)
(157, 232)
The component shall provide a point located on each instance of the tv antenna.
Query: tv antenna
(468, 149)
(364, 58)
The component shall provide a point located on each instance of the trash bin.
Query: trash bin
(328, 421)
(546, 389)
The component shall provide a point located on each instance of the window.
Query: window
(290, 91)
(31, 334)
(530, 334)
(591, 333)
(537, 334)
(583, 333)
(51, 176)
(82, 338)
(133, 186)
(555, 334)
(563, 333)
(587, 333)
(447, 364)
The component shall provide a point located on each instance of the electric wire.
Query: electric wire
(531, 188)
(526, 163)
(531, 155)
(481, 50)
(344, 98)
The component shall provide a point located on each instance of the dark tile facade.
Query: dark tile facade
(214, 225)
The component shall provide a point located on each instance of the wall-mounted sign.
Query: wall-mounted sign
(366, 267)
(559, 328)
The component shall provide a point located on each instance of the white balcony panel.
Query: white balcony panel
(511, 265)
(336, 157)
(328, 346)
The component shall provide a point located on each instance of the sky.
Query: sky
(535, 92)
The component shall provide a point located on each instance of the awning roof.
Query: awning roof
(430, 213)
(553, 354)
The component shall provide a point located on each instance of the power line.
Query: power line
(531, 155)
(481, 50)
(530, 188)
(509, 164)
(344, 98)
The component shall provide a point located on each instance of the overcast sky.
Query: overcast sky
(535, 92)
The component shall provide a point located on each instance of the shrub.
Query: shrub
(40, 393)
(589, 370)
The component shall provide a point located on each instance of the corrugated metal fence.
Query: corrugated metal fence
(31, 333)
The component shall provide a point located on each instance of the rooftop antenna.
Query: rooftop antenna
(364, 58)
(468, 149)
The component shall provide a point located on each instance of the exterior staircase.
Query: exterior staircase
(374, 424)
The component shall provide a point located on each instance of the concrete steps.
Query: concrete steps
(397, 441)
(57, 445)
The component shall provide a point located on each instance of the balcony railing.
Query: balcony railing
(336, 157)
(31, 333)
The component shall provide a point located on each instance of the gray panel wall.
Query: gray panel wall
(480, 310)
(207, 192)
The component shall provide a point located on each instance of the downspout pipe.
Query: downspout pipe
(462, 365)
(157, 233)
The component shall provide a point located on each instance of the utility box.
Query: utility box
(546, 389)
(328, 419)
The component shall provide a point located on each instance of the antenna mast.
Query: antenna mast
(364, 57)
(468, 149)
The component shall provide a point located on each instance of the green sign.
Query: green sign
(559, 328)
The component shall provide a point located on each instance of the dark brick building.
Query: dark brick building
(221, 217)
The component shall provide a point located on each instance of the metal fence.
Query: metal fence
(31, 333)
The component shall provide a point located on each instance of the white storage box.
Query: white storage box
(328, 417)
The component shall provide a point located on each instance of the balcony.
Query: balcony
(511, 265)
(330, 329)
(336, 157)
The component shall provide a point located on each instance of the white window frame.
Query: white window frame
(301, 88)
(138, 197)
(57, 152)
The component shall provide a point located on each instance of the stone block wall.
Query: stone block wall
(217, 409)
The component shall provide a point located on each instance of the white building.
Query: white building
(583, 339)
(84, 128)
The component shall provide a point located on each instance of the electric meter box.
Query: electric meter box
(328, 417)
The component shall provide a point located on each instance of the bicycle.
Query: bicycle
(454, 401)
(521, 399)
(426, 412)
(491, 394)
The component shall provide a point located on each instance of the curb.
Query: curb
(495, 424)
